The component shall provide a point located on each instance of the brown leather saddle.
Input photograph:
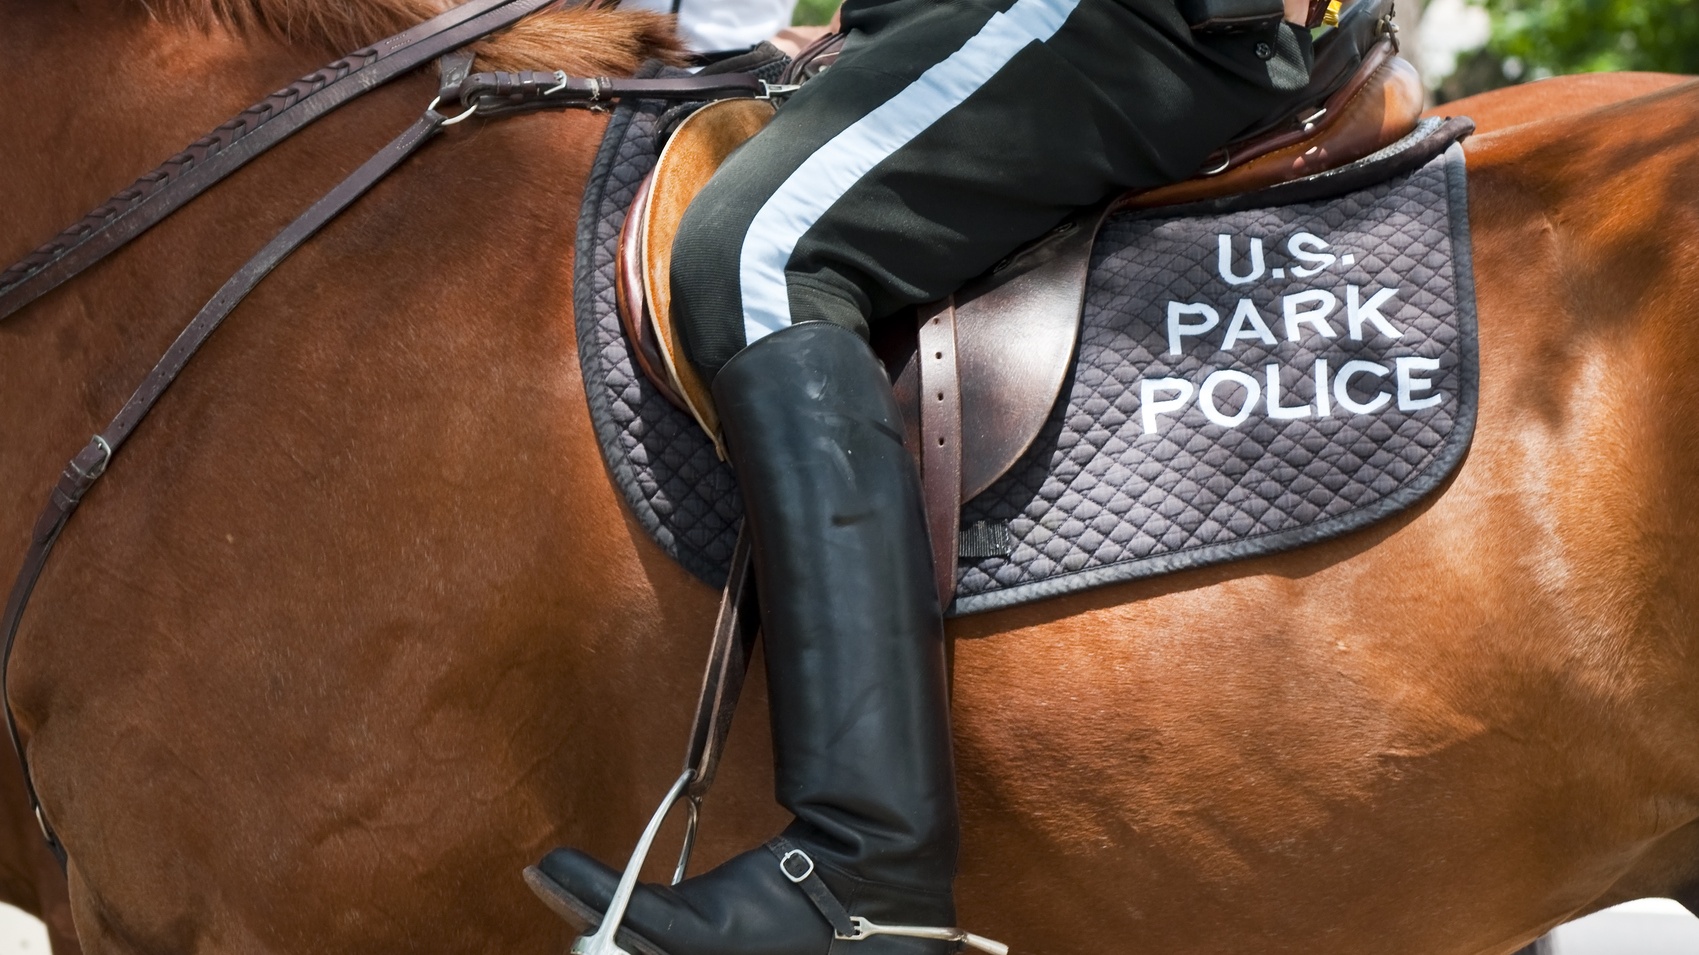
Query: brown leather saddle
(982, 369)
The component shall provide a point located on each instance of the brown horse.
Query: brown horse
(357, 626)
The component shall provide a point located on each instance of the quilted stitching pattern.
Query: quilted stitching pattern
(1096, 491)
(668, 470)
(1097, 499)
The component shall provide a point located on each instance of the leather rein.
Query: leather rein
(210, 159)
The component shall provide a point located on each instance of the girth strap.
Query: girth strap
(90, 463)
(226, 149)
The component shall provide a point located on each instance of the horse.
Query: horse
(358, 626)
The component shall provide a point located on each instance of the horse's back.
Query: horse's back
(1555, 98)
(1484, 704)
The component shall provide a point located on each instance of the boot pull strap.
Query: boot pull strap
(798, 867)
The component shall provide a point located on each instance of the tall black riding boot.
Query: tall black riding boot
(855, 673)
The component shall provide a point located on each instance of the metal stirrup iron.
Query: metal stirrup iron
(728, 663)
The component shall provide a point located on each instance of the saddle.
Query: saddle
(978, 373)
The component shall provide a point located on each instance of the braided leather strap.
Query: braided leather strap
(90, 463)
(207, 160)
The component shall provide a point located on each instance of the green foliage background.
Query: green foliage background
(1571, 36)
(815, 12)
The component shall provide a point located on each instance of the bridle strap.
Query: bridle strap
(226, 149)
(498, 94)
(133, 211)
(90, 463)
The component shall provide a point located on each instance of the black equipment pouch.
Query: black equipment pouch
(1232, 16)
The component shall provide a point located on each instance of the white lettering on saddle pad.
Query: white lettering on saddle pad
(1285, 309)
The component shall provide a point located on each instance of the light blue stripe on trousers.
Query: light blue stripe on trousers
(834, 168)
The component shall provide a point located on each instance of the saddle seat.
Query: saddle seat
(999, 350)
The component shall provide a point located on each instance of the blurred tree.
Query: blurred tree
(1542, 37)
(814, 12)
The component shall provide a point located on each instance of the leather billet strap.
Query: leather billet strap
(226, 149)
(941, 439)
(93, 460)
(500, 94)
(735, 631)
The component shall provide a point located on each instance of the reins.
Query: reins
(158, 194)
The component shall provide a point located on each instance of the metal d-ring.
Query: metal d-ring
(602, 941)
(462, 117)
(1226, 160)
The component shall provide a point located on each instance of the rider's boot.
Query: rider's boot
(855, 675)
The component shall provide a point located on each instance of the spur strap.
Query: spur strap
(226, 149)
(799, 868)
(93, 460)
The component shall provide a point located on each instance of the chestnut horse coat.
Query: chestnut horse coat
(358, 627)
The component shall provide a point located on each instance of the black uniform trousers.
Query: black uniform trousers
(947, 134)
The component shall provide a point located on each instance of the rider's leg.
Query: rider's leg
(920, 158)
(855, 663)
(947, 135)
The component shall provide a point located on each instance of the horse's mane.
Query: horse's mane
(578, 40)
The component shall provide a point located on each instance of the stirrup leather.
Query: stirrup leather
(798, 867)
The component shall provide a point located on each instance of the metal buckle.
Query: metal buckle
(105, 457)
(1389, 29)
(560, 84)
(777, 90)
(784, 865)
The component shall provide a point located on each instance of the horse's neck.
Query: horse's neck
(101, 93)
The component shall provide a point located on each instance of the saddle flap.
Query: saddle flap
(1016, 330)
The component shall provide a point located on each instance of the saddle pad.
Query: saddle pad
(1192, 430)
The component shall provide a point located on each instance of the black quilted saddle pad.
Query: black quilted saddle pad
(1250, 378)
